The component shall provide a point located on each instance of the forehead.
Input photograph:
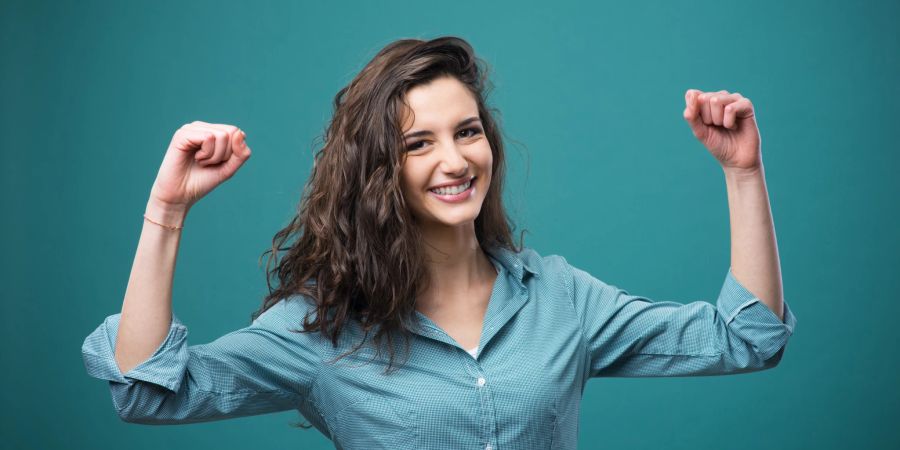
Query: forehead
(443, 102)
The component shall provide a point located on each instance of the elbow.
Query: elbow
(137, 403)
(759, 361)
(144, 417)
(744, 357)
(129, 417)
(772, 355)
(132, 413)
(753, 348)
(151, 404)
(772, 361)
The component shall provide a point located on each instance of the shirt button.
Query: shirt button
(488, 447)
(481, 381)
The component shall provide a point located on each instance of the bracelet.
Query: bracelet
(163, 225)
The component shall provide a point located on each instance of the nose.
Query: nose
(452, 160)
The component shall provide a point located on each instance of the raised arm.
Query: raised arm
(154, 375)
(200, 157)
(726, 125)
(633, 336)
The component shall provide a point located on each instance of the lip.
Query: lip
(455, 183)
(458, 198)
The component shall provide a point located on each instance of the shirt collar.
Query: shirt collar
(513, 262)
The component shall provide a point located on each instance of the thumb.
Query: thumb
(692, 113)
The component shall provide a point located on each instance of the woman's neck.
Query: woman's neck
(456, 263)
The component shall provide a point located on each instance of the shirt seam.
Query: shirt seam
(687, 355)
(234, 391)
(308, 396)
(300, 394)
(319, 356)
(570, 291)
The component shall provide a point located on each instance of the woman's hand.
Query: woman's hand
(200, 157)
(726, 126)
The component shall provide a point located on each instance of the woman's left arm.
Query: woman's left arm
(725, 123)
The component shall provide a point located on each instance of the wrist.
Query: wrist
(741, 174)
(167, 214)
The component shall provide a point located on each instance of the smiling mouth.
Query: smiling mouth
(454, 190)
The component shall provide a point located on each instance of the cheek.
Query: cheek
(487, 161)
(409, 182)
(487, 155)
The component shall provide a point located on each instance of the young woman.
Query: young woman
(402, 238)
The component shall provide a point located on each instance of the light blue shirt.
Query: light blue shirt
(548, 329)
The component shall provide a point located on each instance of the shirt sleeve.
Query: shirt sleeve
(258, 369)
(633, 336)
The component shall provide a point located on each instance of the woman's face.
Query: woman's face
(445, 145)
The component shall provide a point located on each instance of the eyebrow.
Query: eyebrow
(426, 132)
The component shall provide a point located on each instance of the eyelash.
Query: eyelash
(475, 131)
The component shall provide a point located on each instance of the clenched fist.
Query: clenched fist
(200, 157)
(726, 125)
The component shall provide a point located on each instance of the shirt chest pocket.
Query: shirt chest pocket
(373, 422)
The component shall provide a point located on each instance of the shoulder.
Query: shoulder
(287, 311)
(556, 269)
(547, 265)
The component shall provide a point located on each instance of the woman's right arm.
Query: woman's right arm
(154, 376)
(200, 157)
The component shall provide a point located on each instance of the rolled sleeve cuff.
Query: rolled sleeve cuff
(164, 367)
(752, 320)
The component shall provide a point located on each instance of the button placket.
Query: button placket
(488, 418)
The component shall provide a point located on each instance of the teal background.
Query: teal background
(603, 170)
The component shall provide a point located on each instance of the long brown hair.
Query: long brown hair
(355, 248)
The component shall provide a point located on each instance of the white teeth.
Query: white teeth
(452, 190)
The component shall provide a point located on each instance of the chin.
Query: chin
(457, 223)
(453, 219)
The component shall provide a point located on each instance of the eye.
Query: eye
(414, 145)
(464, 133)
(474, 130)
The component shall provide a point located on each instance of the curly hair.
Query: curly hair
(354, 246)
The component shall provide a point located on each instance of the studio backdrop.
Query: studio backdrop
(602, 169)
